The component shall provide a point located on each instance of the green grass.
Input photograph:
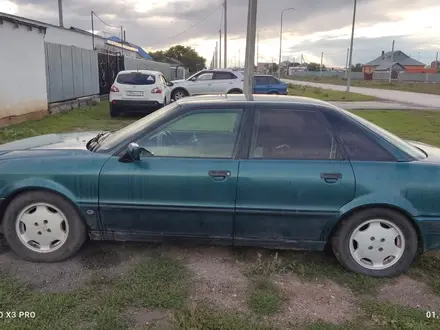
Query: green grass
(413, 125)
(416, 87)
(157, 283)
(326, 94)
(93, 118)
(265, 298)
(427, 269)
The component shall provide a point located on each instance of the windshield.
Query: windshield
(135, 78)
(393, 139)
(118, 136)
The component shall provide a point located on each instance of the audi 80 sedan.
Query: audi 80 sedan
(277, 171)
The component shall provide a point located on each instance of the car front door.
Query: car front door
(201, 84)
(261, 85)
(187, 189)
(293, 183)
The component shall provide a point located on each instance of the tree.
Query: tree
(185, 54)
(313, 66)
(356, 68)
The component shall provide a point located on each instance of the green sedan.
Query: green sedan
(277, 172)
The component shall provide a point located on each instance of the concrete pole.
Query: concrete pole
(226, 34)
(60, 13)
(93, 30)
(392, 60)
(320, 68)
(249, 62)
(281, 40)
(351, 47)
(346, 62)
(220, 49)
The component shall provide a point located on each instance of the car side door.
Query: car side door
(223, 82)
(201, 84)
(261, 85)
(294, 181)
(186, 189)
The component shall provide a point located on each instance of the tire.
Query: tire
(273, 93)
(113, 112)
(180, 93)
(75, 231)
(235, 91)
(360, 222)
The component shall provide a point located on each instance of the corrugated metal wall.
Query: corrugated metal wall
(71, 72)
(140, 64)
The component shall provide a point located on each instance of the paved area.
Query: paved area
(428, 101)
(378, 105)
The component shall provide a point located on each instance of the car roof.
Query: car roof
(141, 71)
(258, 98)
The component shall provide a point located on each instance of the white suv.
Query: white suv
(141, 90)
(216, 81)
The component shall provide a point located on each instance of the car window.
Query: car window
(274, 81)
(357, 144)
(205, 76)
(200, 134)
(261, 80)
(135, 78)
(224, 75)
(288, 134)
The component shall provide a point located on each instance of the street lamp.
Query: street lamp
(351, 48)
(281, 39)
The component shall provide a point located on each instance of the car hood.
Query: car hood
(432, 151)
(75, 141)
(178, 81)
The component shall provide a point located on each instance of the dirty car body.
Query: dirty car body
(277, 172)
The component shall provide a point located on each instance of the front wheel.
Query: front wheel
(42, 226)
(179, 94)
(376, 242)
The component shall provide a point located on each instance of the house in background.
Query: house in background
(401, 62)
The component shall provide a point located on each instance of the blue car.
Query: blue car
(267, 84)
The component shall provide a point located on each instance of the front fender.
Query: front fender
(35, 183)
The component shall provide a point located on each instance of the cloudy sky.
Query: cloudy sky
(314, 26)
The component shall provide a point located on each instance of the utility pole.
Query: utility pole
(60, 13)
(122, 43)
(220, 49)
(239, 58)
(93, 31)
(392, 60)
(226, 33)
(320, 69)
(281, 40)
(215, 55)
(249, 62)
(436, 60)
(258, 46)
(346, 63)
(351, 47)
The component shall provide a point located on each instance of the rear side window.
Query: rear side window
(357, 144)
(136, 78)
(224, 75)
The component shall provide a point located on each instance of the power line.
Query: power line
(109, 25)
(195, 24)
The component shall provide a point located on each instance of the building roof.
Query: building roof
(386, 66)
(398, 56)
(141, 52)
(19, 20)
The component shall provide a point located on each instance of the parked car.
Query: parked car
(217, 81)
(139, 90)
(274, 172)
(267, 84)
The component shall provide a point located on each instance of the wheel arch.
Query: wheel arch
(235, 90)
(392, 207)
(177, 89)
(64, 193)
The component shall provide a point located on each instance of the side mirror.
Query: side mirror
(133, 153)
(170, 84)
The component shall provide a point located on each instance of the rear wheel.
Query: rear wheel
(376, 242)
(235, 91)
(43, 226)
(114, 112)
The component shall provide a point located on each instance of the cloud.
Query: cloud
(313, 27)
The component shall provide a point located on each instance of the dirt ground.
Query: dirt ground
(218, 277)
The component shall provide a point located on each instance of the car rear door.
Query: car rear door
(187, 189)
(223, 82)
(294, 182)
(136, 85)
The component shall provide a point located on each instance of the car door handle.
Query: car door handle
(219, 175)
(331, 177)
